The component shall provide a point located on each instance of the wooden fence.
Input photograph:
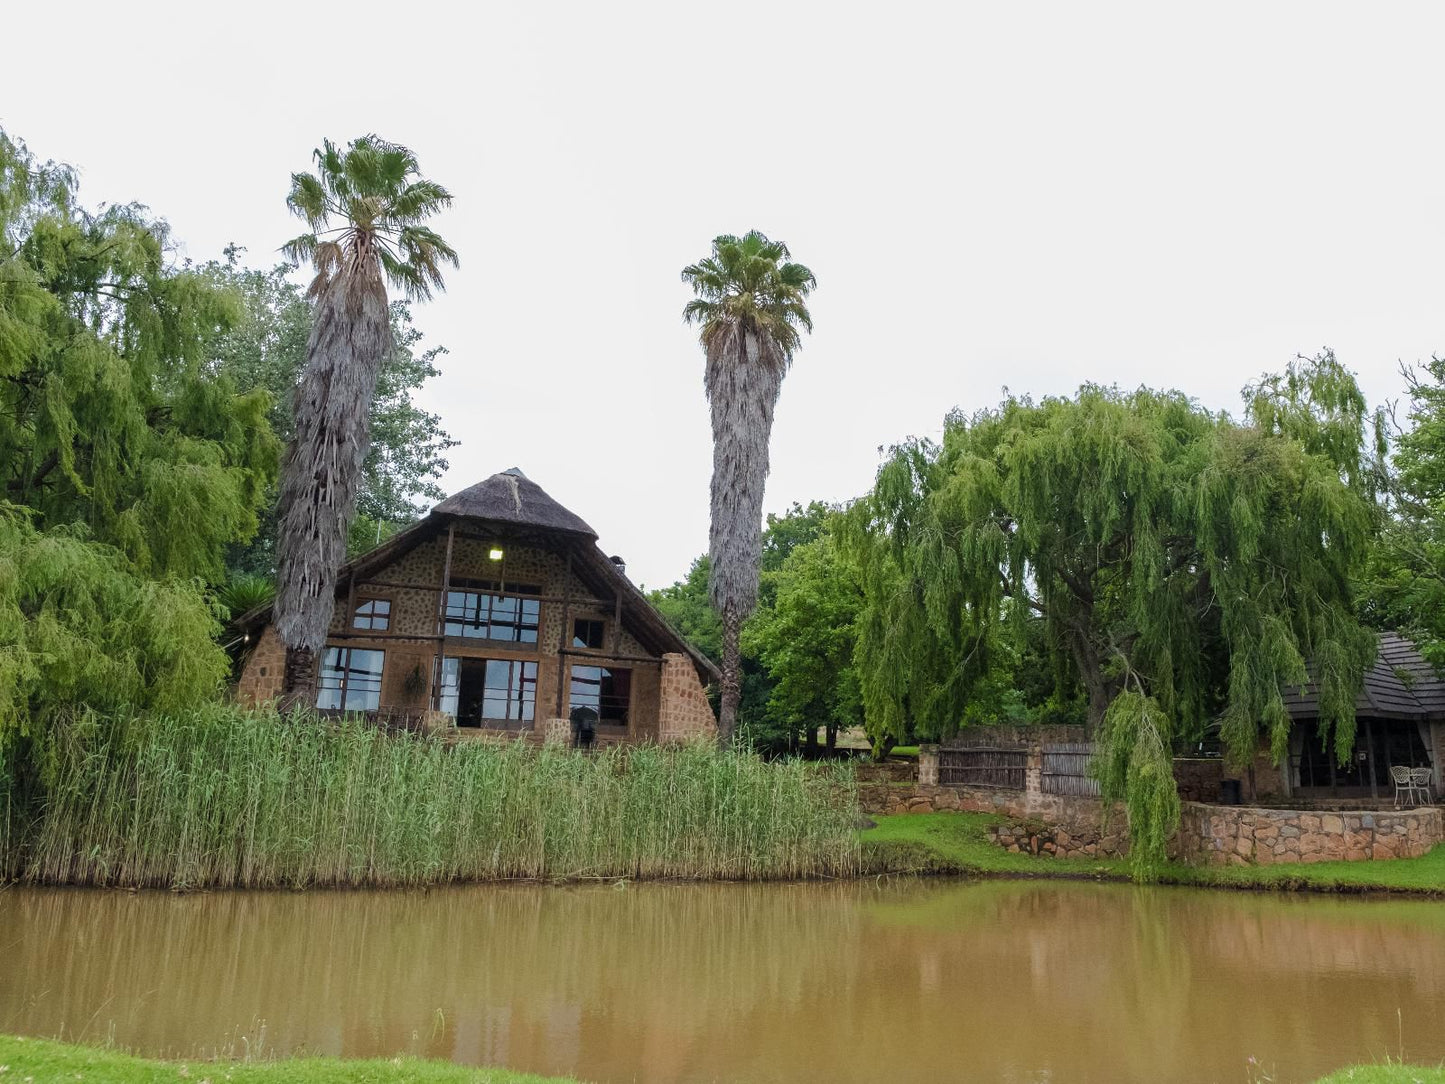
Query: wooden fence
(1003, 768)
(1066, 769)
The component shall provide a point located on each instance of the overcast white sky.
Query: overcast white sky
(1030, 195)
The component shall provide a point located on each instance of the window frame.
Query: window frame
(475, 622)
(346, 679)
(372, 617)
(610, 701)
(601, 644)
(521, 690)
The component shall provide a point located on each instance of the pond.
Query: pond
(909, 980)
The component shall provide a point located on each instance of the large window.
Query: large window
(354, 671)
(605, 690)
(474, 609)
(484, 691)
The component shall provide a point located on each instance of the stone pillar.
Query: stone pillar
(684, 713)
(928, 765)
(557, 732)
(1034, 770)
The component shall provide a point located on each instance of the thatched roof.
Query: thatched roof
(1401, 685)
(513, 504)
(513, 499)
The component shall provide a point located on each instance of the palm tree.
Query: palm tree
(750, 309)
(364, 207)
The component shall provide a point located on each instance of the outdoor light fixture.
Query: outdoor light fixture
(496, 553)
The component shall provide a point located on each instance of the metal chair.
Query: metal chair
(1404, 778)
(1420, 780)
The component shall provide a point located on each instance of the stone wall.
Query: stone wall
(932, 798)
(263, 670)
(684, 713)
(1062, 841)
(1057, 824)
(1237, 835)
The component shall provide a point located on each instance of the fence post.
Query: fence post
(1034, 769)
(928, 765)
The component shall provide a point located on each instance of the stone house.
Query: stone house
(497, 612)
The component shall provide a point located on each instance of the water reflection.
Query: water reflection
(1006, 981)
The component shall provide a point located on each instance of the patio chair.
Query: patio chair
(1420, 779)
(1404, 779)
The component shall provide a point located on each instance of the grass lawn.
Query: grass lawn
(1385, 1074)
(43, 1062)
(959, 843)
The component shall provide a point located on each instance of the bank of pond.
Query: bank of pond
(39, 1060)
(225, 798)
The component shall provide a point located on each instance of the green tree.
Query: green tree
(267, 349)
(110, 415)
(750, 308)
(1187, 563)
(365, 208)
(805, 641)
(1404, 583)
(687, 606)
(128, 463)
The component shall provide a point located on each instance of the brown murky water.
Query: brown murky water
(999, 981)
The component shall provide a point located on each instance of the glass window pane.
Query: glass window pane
(328, 694)
(451, 685)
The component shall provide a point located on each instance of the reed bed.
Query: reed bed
(227, 798)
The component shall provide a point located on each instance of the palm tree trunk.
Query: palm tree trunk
(299, 679)
(732, 678)
(350, 332)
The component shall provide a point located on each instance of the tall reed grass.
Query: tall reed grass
(222, 797)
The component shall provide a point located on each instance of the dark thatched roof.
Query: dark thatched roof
(514, 499)
(513, 504)
(1401, 685)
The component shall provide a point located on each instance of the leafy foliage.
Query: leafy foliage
(110, 415)
(805, 640)
(1135, 765)
(79, 626)
(1208, 560)
(1404, 584)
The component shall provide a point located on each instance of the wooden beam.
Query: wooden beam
(564, 632)
(1370, 755)
(605, 660)
(436, 691)
(580, 600)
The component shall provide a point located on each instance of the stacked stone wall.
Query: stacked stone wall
(684, 713)
(1062, 841)
(263, 671)
(1237, 835)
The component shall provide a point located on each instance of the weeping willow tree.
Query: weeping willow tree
(365, 209)
(127, 465)
(111, 416)
(1187, 567)
(751, 311)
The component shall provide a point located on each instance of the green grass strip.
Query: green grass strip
(959, 843)
(40, 1061)
(1385, 1074)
